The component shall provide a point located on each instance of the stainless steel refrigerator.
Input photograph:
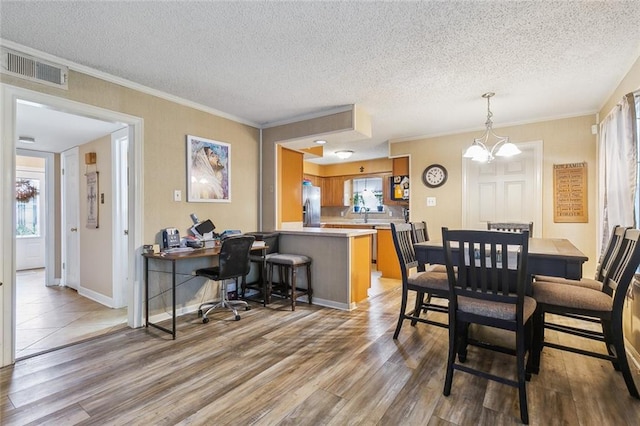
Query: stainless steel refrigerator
(311, 206)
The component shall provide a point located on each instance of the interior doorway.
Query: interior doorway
(12, 99)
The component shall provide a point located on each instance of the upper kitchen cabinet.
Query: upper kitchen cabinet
(333, 191)
(315, 180)
(400, 166)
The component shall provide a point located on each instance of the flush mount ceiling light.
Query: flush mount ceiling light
(344, 154)
(26, 139)
(479, 150)
(320, 141)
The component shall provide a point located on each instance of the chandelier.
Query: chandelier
(479, 150)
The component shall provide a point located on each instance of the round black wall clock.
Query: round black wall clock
(434, 176)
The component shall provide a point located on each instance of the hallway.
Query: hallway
(52, 317)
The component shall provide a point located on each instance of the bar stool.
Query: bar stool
(288, 265)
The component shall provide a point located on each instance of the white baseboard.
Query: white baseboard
(96, 297)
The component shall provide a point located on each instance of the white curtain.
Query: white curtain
(617, 169)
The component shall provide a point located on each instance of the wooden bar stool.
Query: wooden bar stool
(288, 265)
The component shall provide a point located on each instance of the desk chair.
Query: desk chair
(481, 293)
(233, 264)
(511, 227)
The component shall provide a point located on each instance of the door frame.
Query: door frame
(49, 178)
(537, 148)
(9, 96)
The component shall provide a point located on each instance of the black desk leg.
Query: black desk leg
(173, 293)
(146, 292)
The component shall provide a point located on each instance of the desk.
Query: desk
(174, 258)
(547, 256)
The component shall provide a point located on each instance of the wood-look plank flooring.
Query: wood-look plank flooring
(314, 366)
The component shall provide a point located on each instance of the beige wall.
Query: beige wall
(96, 265)
(564, 141)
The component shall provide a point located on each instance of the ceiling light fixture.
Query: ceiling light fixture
(344, 154)
(478, 151)
(26, 139)
(320, 141)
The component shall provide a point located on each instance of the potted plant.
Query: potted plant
(356, 202)
(380, 205)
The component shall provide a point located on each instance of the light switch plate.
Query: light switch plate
(177, 195)
(431, 201)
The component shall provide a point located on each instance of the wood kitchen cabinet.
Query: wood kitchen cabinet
(315, 180)
(333, 191)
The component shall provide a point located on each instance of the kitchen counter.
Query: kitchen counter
(331, 232)
(340, 262)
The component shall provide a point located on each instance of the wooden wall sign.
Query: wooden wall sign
(570, 193)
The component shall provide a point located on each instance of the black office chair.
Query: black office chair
(233, 264)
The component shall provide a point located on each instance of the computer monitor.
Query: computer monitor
(201, 229)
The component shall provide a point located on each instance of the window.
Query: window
(27, 207)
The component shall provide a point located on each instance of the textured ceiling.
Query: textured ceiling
(418, 68)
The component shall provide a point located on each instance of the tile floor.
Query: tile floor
(51, 317)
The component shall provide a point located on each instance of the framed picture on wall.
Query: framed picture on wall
(208, 170)
(92, 200)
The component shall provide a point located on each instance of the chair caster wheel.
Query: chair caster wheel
(199, 313)
(205, 320)
(237, 317)
(248, 308)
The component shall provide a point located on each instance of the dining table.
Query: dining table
(546, 256)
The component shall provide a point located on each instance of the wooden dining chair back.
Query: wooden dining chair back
(419, 232)
(511, 227)
(603, 268)
(489, 289)
(604, 306)
(424, 283)
(233, 263)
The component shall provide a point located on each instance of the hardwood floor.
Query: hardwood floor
(314, 366)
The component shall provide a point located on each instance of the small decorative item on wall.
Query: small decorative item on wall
(570, 193)
(208, 170)
(92, 200)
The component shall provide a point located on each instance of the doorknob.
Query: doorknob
(74, 229)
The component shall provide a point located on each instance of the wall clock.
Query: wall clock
(434, 176)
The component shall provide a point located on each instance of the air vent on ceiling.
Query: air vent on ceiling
(34, 69)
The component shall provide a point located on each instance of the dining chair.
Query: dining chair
(427, 282)
(603, 267)
(511, 227)
(259, 287)
(604, 306)
(233, 263)
(489, 290)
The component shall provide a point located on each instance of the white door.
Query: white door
(504, 190)
(30, 224)
(120, 161)
(70, 219)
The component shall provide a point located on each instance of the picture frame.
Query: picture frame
(92, 200)
(208, 170)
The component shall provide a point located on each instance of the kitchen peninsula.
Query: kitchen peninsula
(341, 262)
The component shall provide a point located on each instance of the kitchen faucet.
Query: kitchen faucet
(366, 213)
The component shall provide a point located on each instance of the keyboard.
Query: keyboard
(178, 249)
